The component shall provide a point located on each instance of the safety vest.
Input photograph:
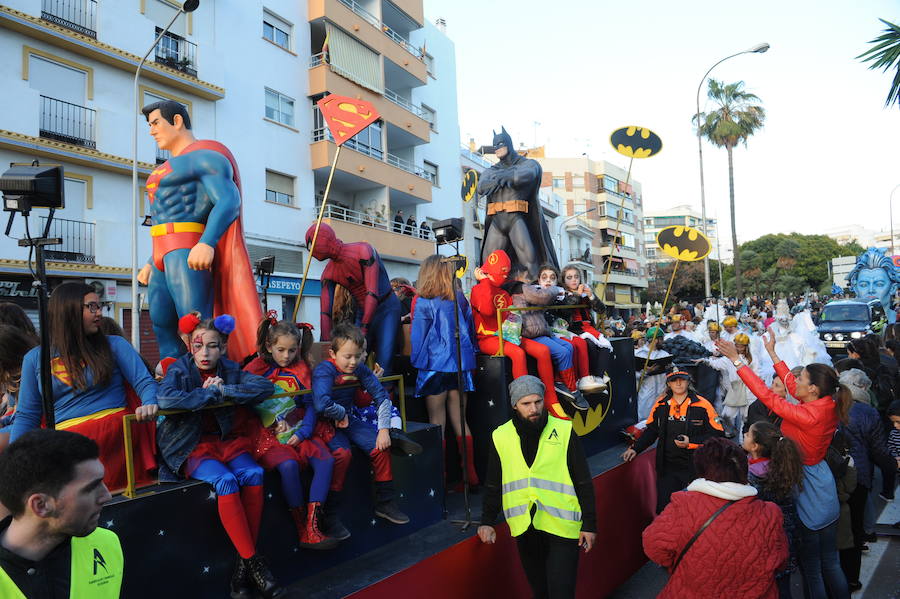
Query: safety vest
(97, 565)
(546, 485)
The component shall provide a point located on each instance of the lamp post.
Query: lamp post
(188, 6)
(758, 49)
(563, 222)
(891, 213)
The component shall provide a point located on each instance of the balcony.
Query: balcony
(324, 133)
(77, 240)
(409, 167)
(177, 53)
(162, 155)
(69, 123)
(478, 159)
(338, 212)
(78, 15)
(371, 31)
(349, 224)
(327, 78)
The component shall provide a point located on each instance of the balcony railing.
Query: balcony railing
(409, 167)
(67, 122)
(324, 133)
(477, 158)
(162, 155)
(404, 103)
(176, 52)
(77, 240)
(379, 222)
(375, 22)
(78, 15)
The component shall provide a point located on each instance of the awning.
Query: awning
(613, 232)
(614, 258)
(631, 263)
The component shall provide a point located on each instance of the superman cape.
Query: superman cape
(235, 287)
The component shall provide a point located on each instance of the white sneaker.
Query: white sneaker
(587, 384)
(602, 382)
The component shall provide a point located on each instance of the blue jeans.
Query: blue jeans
(819, 563)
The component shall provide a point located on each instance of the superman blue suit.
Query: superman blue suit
(195, 197)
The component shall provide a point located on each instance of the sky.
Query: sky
(826, 158)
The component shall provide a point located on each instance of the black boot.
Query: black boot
(402, 445)
(385, 506)
(262, 578)
(331, 524)
(241, 587)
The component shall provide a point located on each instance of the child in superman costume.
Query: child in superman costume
(213, 446)
(487, 296)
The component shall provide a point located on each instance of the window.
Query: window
(431, 172)
(578, 181)
(610, 184)
(559, 182)
(429, 64)
(430, 116)
(279, 108)
(279, 188)
(277, 30)
(367, 141)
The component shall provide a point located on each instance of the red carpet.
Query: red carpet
(626, 499)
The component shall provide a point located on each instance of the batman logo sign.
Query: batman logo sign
(635, 142)
(469, 185)
(460, 263)
(683, 243)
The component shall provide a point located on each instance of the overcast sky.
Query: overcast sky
(827, 157)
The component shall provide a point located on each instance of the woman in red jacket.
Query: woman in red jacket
(739, 552)
(811, 424)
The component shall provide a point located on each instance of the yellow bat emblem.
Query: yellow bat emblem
(683, 243)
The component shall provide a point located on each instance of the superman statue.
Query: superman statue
(515, 220)
(199, 258)
(358, 268)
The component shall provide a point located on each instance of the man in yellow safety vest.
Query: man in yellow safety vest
(51, 547)
(539, 474)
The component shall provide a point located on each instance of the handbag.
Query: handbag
(699, 532)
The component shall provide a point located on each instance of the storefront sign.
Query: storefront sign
(17, 289)
(291, 286)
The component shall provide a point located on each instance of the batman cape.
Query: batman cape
(515, 177)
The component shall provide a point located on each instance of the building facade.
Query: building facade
(683, 215)
(601, 226)
(250, 73)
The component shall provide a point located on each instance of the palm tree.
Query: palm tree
(884, 55)
(735, 120)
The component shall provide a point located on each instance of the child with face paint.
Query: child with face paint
(586, 355)
(212, 445)
(294, 438)
(580, 321)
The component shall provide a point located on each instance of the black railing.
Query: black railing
(584, 256)
(77, 240)
(67, 122)
(162, 155)
(176, 52)
(78, 15)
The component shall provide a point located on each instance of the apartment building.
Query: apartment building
(250, 73)
(600, 209)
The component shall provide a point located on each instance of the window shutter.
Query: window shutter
(351, 59)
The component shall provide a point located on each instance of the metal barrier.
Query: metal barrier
(131, 488)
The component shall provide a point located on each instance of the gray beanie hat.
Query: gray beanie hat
(858, 382)
(525, 385)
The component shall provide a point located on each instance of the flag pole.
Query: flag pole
(315, 234)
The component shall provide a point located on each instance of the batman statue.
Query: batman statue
(515, 220)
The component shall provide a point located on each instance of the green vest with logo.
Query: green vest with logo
(97, 565)
(545, 486)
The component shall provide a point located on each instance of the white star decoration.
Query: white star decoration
(161, 533)
(270, 496)
(491, 403)
(431, 492)
(109, 524)
(212, 496)
(206, 569)
(374, 521)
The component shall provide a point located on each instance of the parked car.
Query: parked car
(843, 320)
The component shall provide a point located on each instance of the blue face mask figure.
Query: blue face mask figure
(876, 277)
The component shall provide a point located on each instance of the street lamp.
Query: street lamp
(188, 6)
(563, 222)
(758, 49)
(891, 212)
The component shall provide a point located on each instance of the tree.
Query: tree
(736, 119)
(885, 54)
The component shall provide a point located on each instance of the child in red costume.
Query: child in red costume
(486, 297)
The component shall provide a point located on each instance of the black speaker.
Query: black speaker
(488, 407)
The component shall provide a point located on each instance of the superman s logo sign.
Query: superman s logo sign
(346, 116)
